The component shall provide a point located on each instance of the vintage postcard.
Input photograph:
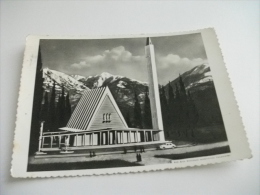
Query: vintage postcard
(120, 104)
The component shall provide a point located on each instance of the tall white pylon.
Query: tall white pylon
(154, 89)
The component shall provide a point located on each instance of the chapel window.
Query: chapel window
(106, 117)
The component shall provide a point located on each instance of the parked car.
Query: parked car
(167, 146)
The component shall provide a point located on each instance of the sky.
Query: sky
(174, 55)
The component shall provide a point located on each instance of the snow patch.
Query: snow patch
(141, 82)
(77, 77)
(121, 84)
(207, 74)
(204, 80)
(199, 69)
(62, 79)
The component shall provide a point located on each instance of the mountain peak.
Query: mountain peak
(77, 77)
(106, 75)
(61, 79)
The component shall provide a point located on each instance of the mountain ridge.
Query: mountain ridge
(123, 88)
(198, 81)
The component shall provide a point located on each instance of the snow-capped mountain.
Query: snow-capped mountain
(61, 79)
(198, 78)
(122, 88)
(71, 85)
(106, 78)
(77, 77)
(198, 81)
(198, 75)
(100, 79)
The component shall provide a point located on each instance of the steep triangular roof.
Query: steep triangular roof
(87, 108)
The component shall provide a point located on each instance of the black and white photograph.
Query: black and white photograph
(129, 97)
(117, 104)
(104, 103)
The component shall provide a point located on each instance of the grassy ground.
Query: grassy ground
(202, 135)
(209, 152)
(154, 157)
(80, 165)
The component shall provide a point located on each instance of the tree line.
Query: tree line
(142, 118)
(54, 113)
(179, 113)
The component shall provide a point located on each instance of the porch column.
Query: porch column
(100, 138)
(82, 140)
(76, 139)
(130, 134)
(42, 145)
(144, 136)
(59, 140)
(123, 141)
(115, 137)
(51, 140)
(151, 135)
(40, 138)
(108, 138)
(68, 139)
(92, 135)
(136, 137)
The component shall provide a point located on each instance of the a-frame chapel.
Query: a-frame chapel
(97, 120)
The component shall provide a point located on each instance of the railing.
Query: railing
(58, 140)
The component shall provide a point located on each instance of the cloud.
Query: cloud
(119, 61)
(115, 61)
(165, 62)
(171, 65)
(115, 56)
(80, 65)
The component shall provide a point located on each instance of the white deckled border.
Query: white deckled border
(233, 124)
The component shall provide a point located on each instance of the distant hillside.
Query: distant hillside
(198, 81)
(121, 87)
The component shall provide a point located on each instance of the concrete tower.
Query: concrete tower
(154, 89)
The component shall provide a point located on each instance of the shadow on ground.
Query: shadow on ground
(209, 152)
(80, 165)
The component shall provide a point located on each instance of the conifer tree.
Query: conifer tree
(171, 109)
(68, 109)
(182, 89)
(147, 111)
(171, 95)
(194, 115)
(58, 112)
(177, 107)
(62, 109)
(138, 113)
(52, 110)
(37, 100)
(177, 92)
(45, 111)
(185, 115)
(165, 111)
